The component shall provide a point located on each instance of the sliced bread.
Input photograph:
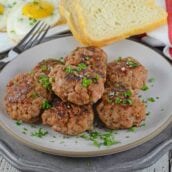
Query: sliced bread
(104, 21)
(68, 11)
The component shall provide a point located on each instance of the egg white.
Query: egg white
(8, 5)
(19, 25)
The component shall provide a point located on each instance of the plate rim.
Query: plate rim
(87, 154)
(92, 153)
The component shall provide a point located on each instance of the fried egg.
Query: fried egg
(24, 16)
(5, 7)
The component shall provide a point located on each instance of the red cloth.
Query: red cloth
(169, 10)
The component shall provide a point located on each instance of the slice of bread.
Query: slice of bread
(101, 22)
(68, 11)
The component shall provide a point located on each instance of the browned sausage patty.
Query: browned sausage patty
(68, 118)
(128, 71)
(94, 58)
(45, 66)
(25, 97)
(81, 80)
(120, 109)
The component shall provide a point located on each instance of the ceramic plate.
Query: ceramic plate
(160, 89)
(6, 44)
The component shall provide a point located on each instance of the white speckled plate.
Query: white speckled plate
(6, 44)
(160, 111)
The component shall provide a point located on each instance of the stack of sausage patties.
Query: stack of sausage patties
(121, 107)
(79, 83)
(63, 93)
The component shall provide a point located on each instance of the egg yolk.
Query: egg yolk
(38, 9)
(1, 9)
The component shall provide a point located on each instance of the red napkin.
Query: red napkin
(163, 35)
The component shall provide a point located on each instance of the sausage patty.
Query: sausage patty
(128, 71)
(45, 66)
(68, 118)
(120, 108)
(81, 79)
(25, 97)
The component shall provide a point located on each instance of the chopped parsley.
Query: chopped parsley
(151, 99)
(45, 82)
(151, 80)
(39, 133)
(100, 139)
(81, 67)
(46, 105)
(44, 68)
(127, 102)
(32, 21)
(127, 93)
(120, 97)
(131, 63)
(19, 122)
(132, 129)
(118, 100)
(86, 82)
(25, 129)
(118, 59)
(95, 79)
(69, 69)
(144, 87)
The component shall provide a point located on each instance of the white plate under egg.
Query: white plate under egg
(6, 43)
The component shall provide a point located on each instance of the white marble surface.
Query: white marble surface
(161, 165)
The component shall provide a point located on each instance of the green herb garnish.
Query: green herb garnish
(44, 68)
(127, 93)
(151, 99)
(69, 69)
(144, 87)
(81, 67)
(151, 80)
(132, 63)
(127, 101)
(132, 129)
(19, 122)
(118, 59)
(100, 139)
(118, 100)
(39, 133)
(45, 82)
(95, 79)
(25, 129)
(86, 82)
(46, 105)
